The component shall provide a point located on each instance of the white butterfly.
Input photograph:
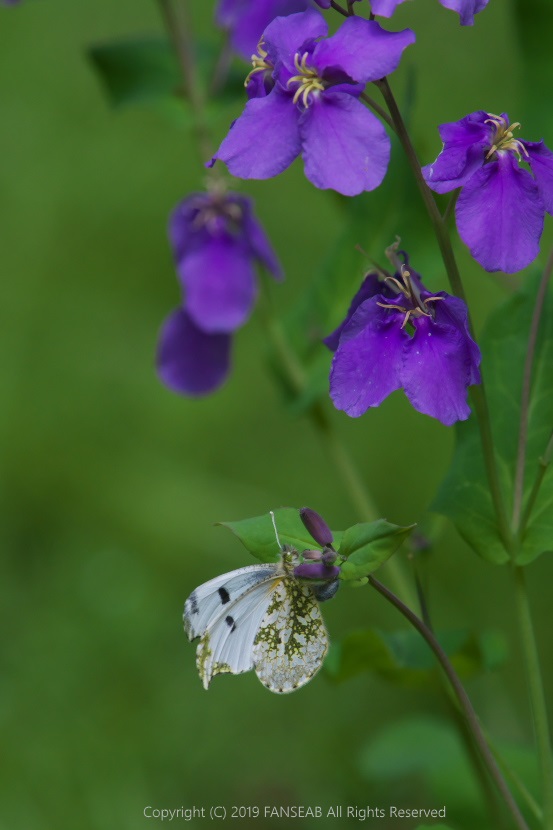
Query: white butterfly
(259, 617)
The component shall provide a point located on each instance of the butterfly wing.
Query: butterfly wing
(291, 641)
(226, 613)
(207, 603)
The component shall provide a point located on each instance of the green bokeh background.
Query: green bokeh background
(111, 484)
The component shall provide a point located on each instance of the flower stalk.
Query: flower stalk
(341, 459)
(179, 29)
(478, 394)
(536, 692)
(462, 698)
(519, 522)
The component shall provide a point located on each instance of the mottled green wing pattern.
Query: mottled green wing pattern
(291, 643)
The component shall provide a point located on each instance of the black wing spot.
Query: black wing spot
(225, 596)
(230, 622)
(194, 604)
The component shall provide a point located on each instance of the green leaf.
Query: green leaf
(464, 495)
(258, 535)
(367, 545)
(135, 71)
(404, 658)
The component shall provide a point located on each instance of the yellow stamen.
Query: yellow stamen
(259, 62)
(308, 79)
(504, 138)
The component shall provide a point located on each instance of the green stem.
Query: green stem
(478, 394)
(518, 489)
(462, 698)
(339, 9)
(295, 378)
(517, 781)
(378, 109)
(537, 696)
(450, 206)
(179, 29)
(543, 464)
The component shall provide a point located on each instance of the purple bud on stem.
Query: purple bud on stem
(317, 570)
(316, 526)
(314, 555)
(329, 556)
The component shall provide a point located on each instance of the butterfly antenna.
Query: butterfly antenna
(275, 527)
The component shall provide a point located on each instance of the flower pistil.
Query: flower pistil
(415, 306)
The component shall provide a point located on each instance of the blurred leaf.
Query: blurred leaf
(431, 750)
(368, 545)
(134, 71)
(464, 495)
(533, 25)
(404, 658)
(316, 386)
(413, 745)
(433, 827)
(258, 535)
(146, 71)
(369, 223)
(428, 750)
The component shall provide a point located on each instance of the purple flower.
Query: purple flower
(246, 20)
(304, 95)
(398, 335)
(217, 242)
(465, 8)
(501, 207)
(189, 361)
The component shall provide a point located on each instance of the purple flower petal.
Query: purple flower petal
(466, 9)
(385, 8)
(189, 361)
(370, 286)
(500, 216)
(248, 19)
(453, 312)
(466, 143)
(344, 146)
(362, 49)
(541, 162)
(264, 140)
(182, 229)
(287, 35)
(365, 367)
(258, 241)
(436, 369)
(220, 284)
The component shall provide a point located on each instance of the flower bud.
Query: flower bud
(314, 555)
(316, 526)
(329, 556)
(326, 591)
(317, 570)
